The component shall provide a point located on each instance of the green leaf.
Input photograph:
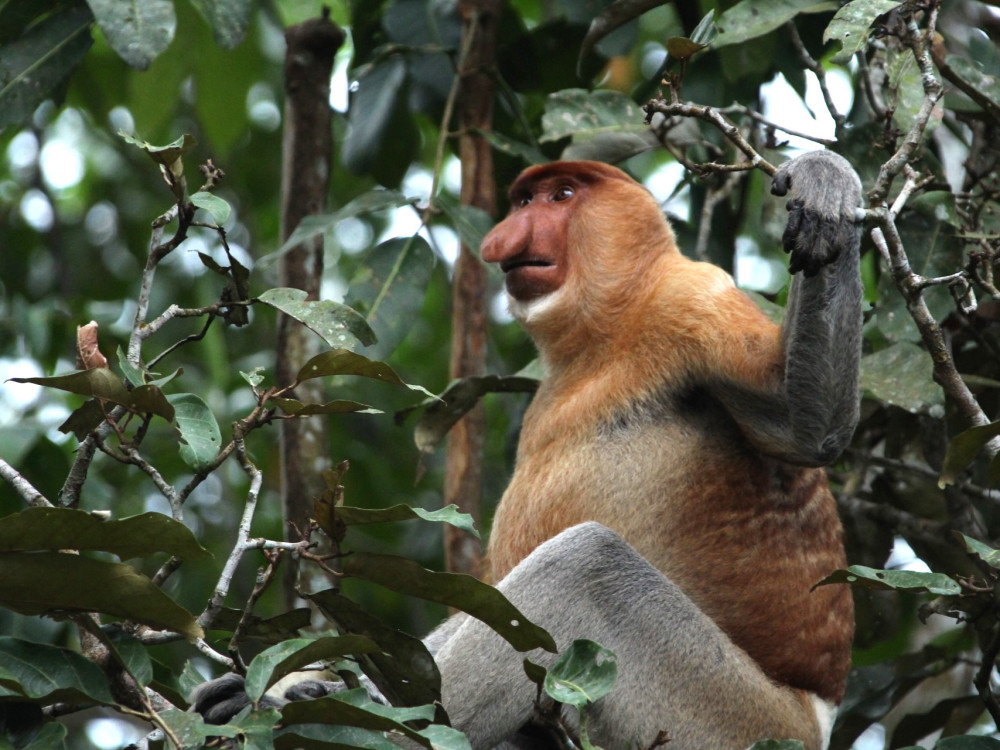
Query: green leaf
(32, 65)
(135, 657)
(895, 580)
(445, 738)
(65, 528)
(338, 325)
(352, 516)
(286, 657)
(529, 153)
(255, 377)
(968, 742)
(325, 736)
(165, 155)
(389, 287)
(963, 450)
(198, 428)
(583, 674)
(52, 736)
(354, 708)
(50, 674)
(324, 224)
(750, 19)
(458, 398)
(192, 731)
(463, 592)
(53, 583)
(137, 30)
(337, 406)
(101, 383)
(851, 24)
(379, 123)
(218, 208)
(229, 19)
(344, 362)
(584, 115)
(403, 669)
(917, 392)
(469, 222)
(613, 16)
(984, 552)
(136, 376)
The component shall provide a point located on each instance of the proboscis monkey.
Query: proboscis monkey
(667, 500)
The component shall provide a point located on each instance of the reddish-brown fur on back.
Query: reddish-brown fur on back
(623, 429)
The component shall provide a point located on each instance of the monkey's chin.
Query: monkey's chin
(528, 312)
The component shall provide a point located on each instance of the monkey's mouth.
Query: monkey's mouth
(512, 263)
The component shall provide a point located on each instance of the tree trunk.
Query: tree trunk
(463, 484)
(307, 150)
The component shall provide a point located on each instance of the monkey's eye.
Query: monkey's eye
(563, 193)
(524, 201)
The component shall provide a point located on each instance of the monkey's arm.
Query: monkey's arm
(810, 418)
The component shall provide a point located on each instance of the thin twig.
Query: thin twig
(23, 487)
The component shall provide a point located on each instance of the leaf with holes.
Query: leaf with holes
(198, 428)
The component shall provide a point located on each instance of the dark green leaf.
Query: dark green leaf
(463, 592)
(777, 745)
(749, 19)
(344, 362)
(530, 153)
(470, 223)
(614, 15)
(583, 674)
(270, 630)
(50, 674)
(52, 583)
(135, 657)
(192, 731)
(282, 659)
(66, 528)
(388, 289)
(101, 383)
(337, 406)
(917, 392)
(337, 324)
(138, 30)
(851, 24)
(968, 742)
(681, 48)
(586, 114)
(326, 736)
(451, 515)
(895, 580)
(963, 450)
(198, 428)
(456, 401)
(355, 708)
(229, 19)
(323, 224)
(377, 103)
(34, 64)
(403, 669)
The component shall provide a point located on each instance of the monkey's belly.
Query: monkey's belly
(746, 537)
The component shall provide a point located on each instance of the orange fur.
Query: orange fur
(620, 433)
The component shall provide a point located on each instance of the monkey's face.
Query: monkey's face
(530, 244)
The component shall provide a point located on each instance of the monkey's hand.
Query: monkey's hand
(221, 699)
(825, 194)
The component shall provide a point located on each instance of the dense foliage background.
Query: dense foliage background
(908, 92)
